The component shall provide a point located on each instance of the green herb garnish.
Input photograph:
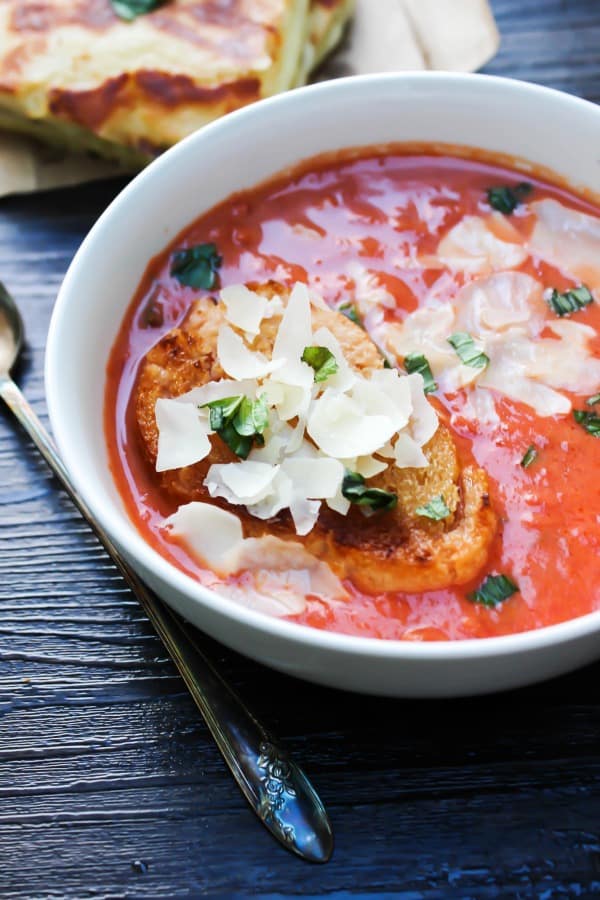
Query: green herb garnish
(128, 10)
(505, 199)
(593, 401)
(465, 347)
(322, 361)
(351, 312)
(494, 590)
(571, 301)
(436, 509)
(530, 456)
(588, 420)
(416, 362)
(356, 491)
(240, 422)
(197, 267)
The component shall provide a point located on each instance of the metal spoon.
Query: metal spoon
(276, 789)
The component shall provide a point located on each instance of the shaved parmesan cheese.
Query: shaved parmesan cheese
(219, 390)
(212, 533)
(340, 427)
(317, 479)
(339, 504)
(345, 377)
(408, 454)
(242, 483)
(273, 554)
(245, 308)
(278, 575)
(276, 594)
(305, 513)
(489, 305)
(368, 290)
(424, 421)
(568, 239)
(238, 361)
(471, 246)
(368, 466)
(182, 435)
(295, 331)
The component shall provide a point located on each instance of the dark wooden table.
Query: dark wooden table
(109, 783)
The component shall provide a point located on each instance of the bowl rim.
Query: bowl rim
(122, 529)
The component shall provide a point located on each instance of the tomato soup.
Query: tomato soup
(373, 227)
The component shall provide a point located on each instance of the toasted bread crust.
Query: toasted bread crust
(398, 550)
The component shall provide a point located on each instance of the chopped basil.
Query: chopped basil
(570, 301)
(530, 456)
(505, 199)
(252, 417)
(197, 266)
(240, 422)
(593, 401)
(436, 509)
(416, 362)
(494, 590)
(131, 9)
(356, 491)
(588, 420)
(351, 312)
(322, 361)
(465, 347)
(386, 363)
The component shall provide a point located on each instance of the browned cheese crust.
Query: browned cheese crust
(396, 550)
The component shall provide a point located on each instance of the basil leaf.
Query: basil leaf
(386, 363)
(505, 199)
(237, 443)
(416, 362)
(356, 491)
(223, 411)
(530, 456)
(240, 422)
(128, 10)
(465, 347)
(351, 312)
(494, 590)
(197, 267)
(252, 416)
(436, 509)
(570, 301)
(322, 361)
(593, 401)
(588, 420)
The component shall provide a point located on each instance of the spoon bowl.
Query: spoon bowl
(12, 331)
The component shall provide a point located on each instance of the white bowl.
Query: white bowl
(548, 128)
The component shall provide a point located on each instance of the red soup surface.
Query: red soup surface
(314, 224)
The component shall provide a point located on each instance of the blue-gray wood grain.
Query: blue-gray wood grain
(109, 784)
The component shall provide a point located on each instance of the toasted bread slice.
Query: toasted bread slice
(396, 550)
(75, 74)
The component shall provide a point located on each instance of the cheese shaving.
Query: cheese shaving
(472, 246)
(182, 435)
(277, 575)
(505, 314)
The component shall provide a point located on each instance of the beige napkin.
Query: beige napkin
(387, 36)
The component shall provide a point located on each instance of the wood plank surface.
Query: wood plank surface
(110, 786)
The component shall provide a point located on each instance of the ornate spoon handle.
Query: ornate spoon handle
(277, 790)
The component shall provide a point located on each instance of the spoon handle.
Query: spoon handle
(275, 787)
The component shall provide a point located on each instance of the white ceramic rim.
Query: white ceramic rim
(123, 531)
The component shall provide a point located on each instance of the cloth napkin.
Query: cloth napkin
(386, 36)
